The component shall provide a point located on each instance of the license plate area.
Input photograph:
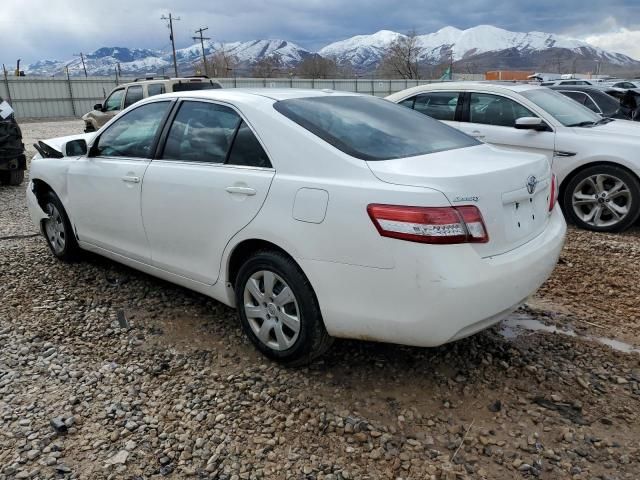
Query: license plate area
(526, 216)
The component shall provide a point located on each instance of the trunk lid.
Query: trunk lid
(493, 180)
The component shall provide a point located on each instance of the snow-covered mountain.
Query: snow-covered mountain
(367, 50)
(484, 46)
(104, 61)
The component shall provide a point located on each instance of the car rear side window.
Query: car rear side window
(155, 89)
(246, 149)
(201, 132)
(370, 128)
(134, 94)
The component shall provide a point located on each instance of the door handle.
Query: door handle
(241, 190)
(477, 134)
(130, 179)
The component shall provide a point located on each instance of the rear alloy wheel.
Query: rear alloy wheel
(57, 229)
(278, 309)
(603, 198)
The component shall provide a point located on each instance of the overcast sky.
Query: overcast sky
(56, 29)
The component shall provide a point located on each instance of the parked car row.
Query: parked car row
(595, 158)
(317, 214)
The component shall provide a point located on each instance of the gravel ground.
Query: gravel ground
(109, 373)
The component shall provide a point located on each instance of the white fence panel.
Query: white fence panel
(42, 97)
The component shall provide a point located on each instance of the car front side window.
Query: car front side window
(491, 109)
(133, 134)
(114, 102)
(201, 132)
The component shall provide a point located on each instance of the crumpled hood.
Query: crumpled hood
(56, 143)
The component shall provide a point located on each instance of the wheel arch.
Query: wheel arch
(243, 250)
(580, 168)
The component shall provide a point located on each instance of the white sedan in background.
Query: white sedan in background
(596, 160)
(317, 214)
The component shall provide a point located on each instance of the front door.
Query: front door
(491, 118)
(209, 182)
(104, 186)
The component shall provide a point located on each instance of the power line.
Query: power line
(202, 39)
(171, 18)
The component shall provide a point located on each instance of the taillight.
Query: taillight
(429, 224)
(553, 194)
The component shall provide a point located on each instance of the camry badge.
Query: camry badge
(532, 183)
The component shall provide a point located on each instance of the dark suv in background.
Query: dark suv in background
(13, 162)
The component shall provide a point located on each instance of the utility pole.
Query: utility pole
(171, 18)
(204, 56)
(83, 64)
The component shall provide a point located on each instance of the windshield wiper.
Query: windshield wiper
(604, 121)
(583, 124)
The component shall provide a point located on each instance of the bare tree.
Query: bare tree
(401, 59)
(267, 67)
(221, 63)
(315, 66)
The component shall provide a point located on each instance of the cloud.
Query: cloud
(45, 29)
(623, 41)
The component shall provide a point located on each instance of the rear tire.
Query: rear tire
(57, 229)
(602, 198)
(278, 309)
(15, 177)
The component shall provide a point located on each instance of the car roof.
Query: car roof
(581, 88)
(248, 94)
(496, 87)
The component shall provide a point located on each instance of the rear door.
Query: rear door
(491, 118)
(208, 181)
(104, 187)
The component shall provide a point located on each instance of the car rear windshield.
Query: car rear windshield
(188, 86)
(370, 128)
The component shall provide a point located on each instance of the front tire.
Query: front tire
(278, 309)
(602, 198)
(57, 229)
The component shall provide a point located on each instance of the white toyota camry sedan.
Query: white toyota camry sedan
(596, 159)
(317, 214)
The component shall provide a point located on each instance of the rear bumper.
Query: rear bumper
(435, 294)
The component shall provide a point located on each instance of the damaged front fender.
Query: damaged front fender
(35, 210)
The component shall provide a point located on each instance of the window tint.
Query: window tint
(438, 105)
(134, 94)
(133, 134)
(201, 132)
(577, 96)
(114, 102)
(155, 89)
(371, 128)
(563, 109)
(246, 149)
(408, 102)
(590, 104)
(496, 110)
(188, 86)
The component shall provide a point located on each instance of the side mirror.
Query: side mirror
(531, 123)
(75, 148)
(98, 106)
